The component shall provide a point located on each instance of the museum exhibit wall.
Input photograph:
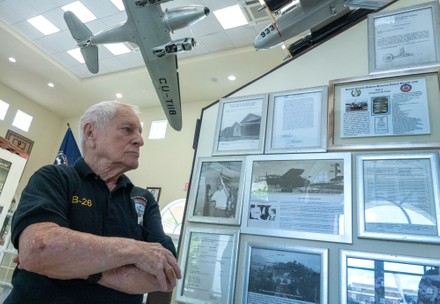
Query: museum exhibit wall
(344, 56)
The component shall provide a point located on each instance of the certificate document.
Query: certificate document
(405, 39)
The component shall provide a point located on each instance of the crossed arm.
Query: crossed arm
(127, 265)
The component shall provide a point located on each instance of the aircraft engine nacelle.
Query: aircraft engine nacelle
(175, 46)
(177, 18)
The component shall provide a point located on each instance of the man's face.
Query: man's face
(119, 143)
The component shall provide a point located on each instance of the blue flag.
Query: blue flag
(69, 151)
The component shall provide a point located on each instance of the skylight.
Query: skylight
(80, 11)
(43, 25)
(158, 129)
(76, 53)
(22, 120)
(230, 17)
(118, 4)
(4, 106)
(117, 48)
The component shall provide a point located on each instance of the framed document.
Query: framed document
(404, 39)
(305, 196)
(279, 273)
(389, 111)
(208, 266)
(23, 143)
(383, 278)
(216, 190)
(398, 196)
(241, 125)
(155, 191)
(297, 121)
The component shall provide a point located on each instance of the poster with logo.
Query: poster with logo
(394, 108)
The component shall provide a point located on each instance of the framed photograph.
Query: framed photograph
(21, 142)
(279, 273)
(398, 196)
(241, 125)
(383, 278)
(389, 111)
(304, 196)
(404, 39)
(216, 190)
(297, 121)
(208, 266)
(155, 191)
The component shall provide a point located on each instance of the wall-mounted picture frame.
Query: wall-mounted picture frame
(280, 273)
(297, 121)
(404, 39)
(392, 111)
(241, 125)
(367, 277)
(208, 265)
(398, 196)
(23, 143)
(216, 190)
(155, 191)
(304, 196)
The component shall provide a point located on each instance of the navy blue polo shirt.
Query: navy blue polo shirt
(76, 198)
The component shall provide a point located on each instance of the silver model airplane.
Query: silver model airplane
(148, 27)
(305, 15)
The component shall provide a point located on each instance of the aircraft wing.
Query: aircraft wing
(149, 33)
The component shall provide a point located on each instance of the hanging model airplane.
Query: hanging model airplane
(148, 27)
(303, 16)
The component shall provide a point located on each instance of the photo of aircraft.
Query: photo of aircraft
(149, 27)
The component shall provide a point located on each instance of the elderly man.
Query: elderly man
(84, 233)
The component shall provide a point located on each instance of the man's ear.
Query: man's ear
(89, 135)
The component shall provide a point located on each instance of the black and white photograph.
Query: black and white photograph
(285, 273)
(368, 277)
(216, 194)
(241, 125)
(299, 195)
(399, 196)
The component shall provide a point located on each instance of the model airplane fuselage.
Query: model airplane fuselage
(306, 15)
(149, 27)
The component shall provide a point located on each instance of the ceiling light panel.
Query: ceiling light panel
(43, 25)
(230, 17)
(82, 12)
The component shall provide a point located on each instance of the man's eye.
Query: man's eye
(127, 130)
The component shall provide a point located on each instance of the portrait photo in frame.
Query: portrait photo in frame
(155, 191)
(404, 39)
(398, 196)
(368, 277)
(392, 111)
(280, 273)
(305, 196)
(21, 142)
(208, 265)
(241, 125)
(297, 121)
(216, 190)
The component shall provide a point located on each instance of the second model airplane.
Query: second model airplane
(149, 27)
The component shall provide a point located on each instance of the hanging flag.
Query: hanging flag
(69, 151)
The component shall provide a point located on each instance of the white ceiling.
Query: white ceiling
(203, 71)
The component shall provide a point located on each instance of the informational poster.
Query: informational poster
(385, 109)
(5, 166)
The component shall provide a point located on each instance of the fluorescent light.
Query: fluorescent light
(76, 53)
(12, 59)
(230, 17)
(43, 25)
(4, 106)
(80, 11)
(118, 4)
(158, 129)
(117, 48)
(22, 120)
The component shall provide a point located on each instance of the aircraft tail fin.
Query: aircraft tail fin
(83, 36)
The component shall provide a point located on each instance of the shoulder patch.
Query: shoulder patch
(139, 204)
